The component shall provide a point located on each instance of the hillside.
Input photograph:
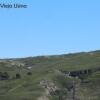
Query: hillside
(73, 76)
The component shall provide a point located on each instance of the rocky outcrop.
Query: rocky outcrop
(79, 73)
(49, 86)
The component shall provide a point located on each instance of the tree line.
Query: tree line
(6, 76)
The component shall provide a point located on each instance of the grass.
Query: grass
(27, 88)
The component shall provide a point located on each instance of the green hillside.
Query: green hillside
(48, 78)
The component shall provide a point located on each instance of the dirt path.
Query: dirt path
(18, 86)
(43, 98)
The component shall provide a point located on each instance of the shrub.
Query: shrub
(18, 76)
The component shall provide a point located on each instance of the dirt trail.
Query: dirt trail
(43, 98)
(18, 86)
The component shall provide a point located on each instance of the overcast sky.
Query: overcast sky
(49, 27)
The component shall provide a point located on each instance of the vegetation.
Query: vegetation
(48, 78)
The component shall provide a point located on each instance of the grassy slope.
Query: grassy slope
(27, 87)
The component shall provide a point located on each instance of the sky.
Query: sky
(49, 27)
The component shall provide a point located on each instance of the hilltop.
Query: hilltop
(74, 76)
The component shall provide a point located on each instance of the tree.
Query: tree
(4, 76)
(18, 76)
(29, 73)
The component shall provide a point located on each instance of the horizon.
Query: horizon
(49, 55)
(49, 28)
